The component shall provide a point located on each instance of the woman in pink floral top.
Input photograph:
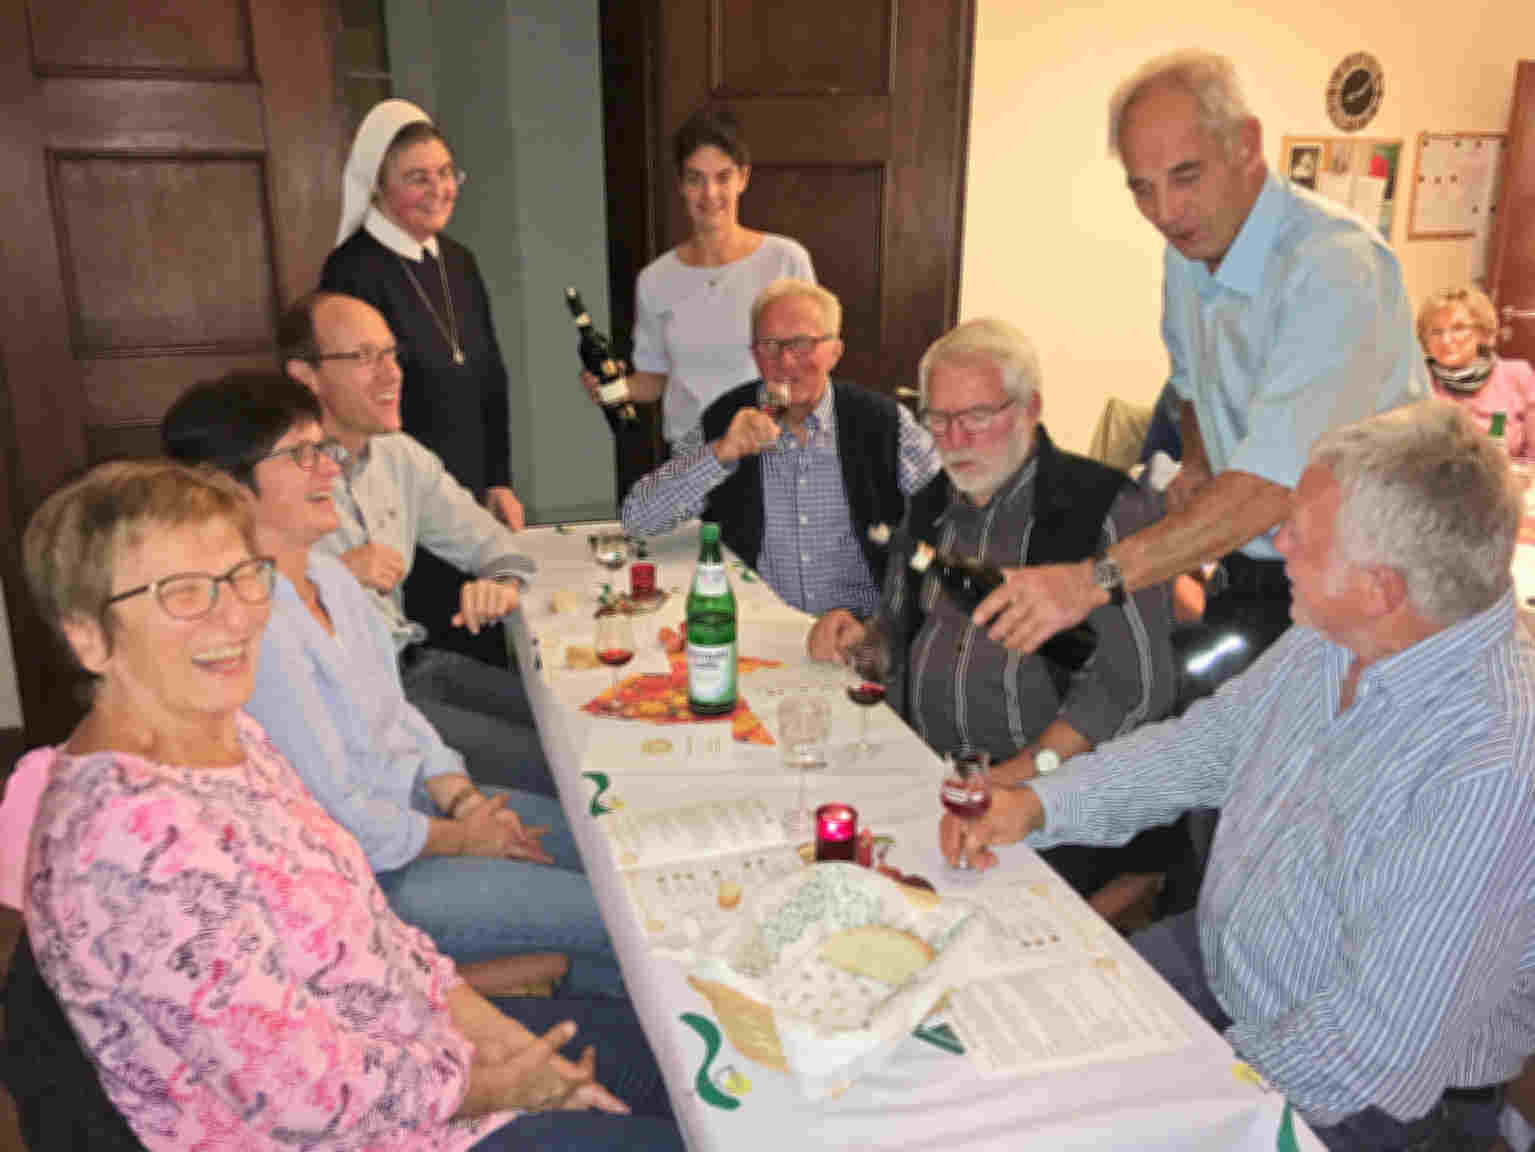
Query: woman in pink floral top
(216, 940)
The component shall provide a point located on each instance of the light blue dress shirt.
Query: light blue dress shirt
(1368, 916)
(333, 705)
(1306, 326)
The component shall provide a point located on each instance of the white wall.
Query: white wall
(516, 88)
(1052, 239)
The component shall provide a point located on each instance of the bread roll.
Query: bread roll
(888, 955)
(581, 656)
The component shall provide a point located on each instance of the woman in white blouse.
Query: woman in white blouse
(692, 326)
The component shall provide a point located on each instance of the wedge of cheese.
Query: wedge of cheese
(888, 955)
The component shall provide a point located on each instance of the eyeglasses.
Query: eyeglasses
(192, 595)
(797, 346)
(306, 453)
(1458, 331)
(419, 181)
(972, 421)
(368, 356)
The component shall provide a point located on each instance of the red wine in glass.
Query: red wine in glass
(966, 788)
(614, 643)
(865, 693)
(615, 657)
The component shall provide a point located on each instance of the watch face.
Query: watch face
(1106, 574)
(1354, 91)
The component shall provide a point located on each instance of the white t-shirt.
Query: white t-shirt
(693, 325)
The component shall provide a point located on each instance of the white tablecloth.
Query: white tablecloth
(1199, 1097)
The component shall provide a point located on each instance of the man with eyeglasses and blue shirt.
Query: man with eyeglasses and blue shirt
(795, 493)
(394, 494)
(1011, 497)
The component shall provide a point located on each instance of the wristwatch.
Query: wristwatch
(1046, 761)
(1106, 575)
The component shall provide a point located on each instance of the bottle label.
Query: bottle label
(712, 673)
(709, 580)
(615, 393)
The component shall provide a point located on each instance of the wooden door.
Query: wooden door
(857, 113)
(1513, 261)
(174, 169)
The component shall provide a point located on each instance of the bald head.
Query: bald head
(341, 348)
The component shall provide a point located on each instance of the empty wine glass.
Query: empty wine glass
(804, 724)
(868, 666)
(966, 789)
(610, 549)
(615, 647)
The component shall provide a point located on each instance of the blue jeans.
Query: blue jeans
(478, 908)
(1457, 1122)
(482, 713)
(625, 1066)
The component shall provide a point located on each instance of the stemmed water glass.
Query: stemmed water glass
(966, 788)
(804, 724)
(615, 647)
(868, 666)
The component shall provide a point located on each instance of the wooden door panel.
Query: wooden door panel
(801, 46)
(165, 253)
(208, 38)
(151, 115)
(1513, 266)
(835, 211)
(175, 166)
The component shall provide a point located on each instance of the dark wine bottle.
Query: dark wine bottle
(597, 356)
(969, 581)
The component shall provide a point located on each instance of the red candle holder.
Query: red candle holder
(642, 579)
(836, 833)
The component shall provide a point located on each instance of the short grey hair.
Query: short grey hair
(830, 306)
(990, 339)
(1208, 76)
(1426, 492)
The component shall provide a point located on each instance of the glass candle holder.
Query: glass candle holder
(836, 833)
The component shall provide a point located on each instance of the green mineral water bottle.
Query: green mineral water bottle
(711, 631)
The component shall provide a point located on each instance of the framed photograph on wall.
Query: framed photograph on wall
(1357, 172)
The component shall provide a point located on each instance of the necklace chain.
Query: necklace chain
(450, 329)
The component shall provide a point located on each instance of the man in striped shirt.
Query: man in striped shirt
(1365, 934)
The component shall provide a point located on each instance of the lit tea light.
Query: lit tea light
(836, 832)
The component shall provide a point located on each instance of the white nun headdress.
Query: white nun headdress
(360, 177)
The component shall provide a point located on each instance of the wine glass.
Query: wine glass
(804, 723)
(868, 665)
(966, 789)
(774, 400)
(610, 549)
(615, 647)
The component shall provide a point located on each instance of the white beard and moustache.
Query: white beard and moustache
(982, 485)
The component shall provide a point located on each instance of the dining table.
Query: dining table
(1188, 1090)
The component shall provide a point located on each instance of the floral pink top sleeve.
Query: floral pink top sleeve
(231, 967)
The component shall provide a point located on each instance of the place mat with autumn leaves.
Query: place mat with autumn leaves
(662, 699)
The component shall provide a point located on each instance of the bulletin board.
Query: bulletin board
(1358, 172)
(1455, 184)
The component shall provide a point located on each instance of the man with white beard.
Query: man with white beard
(1013, 498)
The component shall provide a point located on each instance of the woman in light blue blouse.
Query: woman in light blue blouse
(485, 873)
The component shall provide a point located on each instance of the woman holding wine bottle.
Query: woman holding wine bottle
(399, 190)
(692, 326)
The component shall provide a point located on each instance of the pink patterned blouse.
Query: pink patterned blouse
(222, 950)
(1509, 389)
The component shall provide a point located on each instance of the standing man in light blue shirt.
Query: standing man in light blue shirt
(1284, 317)
(1365, 935)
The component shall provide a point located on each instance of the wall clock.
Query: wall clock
(1354, 91)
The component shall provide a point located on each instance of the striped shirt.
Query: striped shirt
(1367, 918)
(967, 689)
(810, 555)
